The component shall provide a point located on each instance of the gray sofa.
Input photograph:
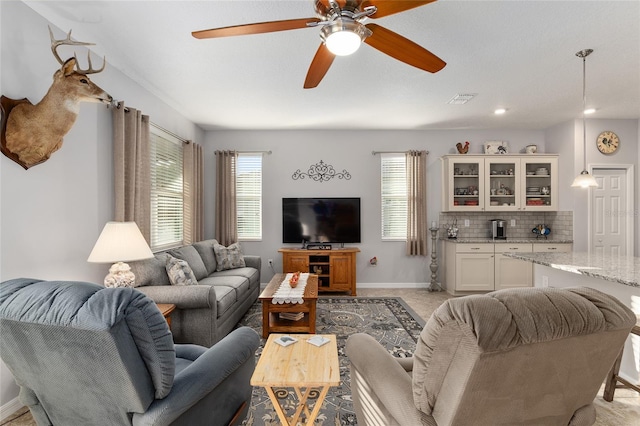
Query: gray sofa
(208, 311)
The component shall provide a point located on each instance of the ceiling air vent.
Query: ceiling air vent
(462, 98)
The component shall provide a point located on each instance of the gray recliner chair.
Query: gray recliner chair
(83, 354)
(512, 357)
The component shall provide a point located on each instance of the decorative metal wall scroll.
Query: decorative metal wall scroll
(321, 172)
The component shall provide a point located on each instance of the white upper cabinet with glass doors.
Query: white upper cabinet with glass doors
(500, 183)
(463, 183)
(539, 182)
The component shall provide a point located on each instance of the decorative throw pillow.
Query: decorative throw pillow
(180, 272)
(228, 257)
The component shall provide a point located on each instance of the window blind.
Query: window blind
(166, 190)
(249, 196)
(394, 196)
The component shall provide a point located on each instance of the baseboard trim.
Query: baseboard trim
(9, 408)
(392, 285)
(377, 285)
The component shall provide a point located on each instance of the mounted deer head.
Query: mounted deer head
(31, 133)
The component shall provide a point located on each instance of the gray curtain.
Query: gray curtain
(132, 172)
(416, 203)
(226, 218)
(193, 184)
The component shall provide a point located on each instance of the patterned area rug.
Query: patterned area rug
(389, 320)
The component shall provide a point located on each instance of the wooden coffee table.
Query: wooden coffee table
(302, 366)
(272, 323)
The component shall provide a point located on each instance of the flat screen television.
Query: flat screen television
(321, 220)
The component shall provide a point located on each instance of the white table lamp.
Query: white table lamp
(120, 242)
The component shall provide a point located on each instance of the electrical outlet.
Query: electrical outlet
(513, 223)
(466, 223)
(545, 281)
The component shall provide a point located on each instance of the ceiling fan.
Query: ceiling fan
(342, 31)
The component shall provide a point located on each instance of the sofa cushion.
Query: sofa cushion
(205, 250)
(251, 274)
(238, 283)
(150, 271)
(179, 272)
(190, 254)
(228, 257)
(225, 298)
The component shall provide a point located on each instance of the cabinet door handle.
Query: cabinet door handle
(552, 248)
(514, 248)
(475, 248)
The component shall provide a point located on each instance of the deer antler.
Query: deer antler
(68, 42)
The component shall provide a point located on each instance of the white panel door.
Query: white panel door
(608, 205)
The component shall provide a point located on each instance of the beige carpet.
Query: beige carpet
(623, 411)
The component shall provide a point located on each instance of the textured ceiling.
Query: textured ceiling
(519, 55)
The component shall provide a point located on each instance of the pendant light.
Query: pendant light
(584, 179)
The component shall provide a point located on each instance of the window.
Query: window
(249, 196)
(166, 190)
(394, 196)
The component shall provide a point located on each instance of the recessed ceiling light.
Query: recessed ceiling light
(500, 111)
(462, 98)
(589, 110)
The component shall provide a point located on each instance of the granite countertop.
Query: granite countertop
(508, 240)
(621, 269)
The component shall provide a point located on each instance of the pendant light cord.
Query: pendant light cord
(584, 107)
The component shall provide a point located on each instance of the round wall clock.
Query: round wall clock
(607, 142)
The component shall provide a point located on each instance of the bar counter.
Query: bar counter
(622, 269)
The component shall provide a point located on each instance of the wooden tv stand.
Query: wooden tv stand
(336, 269)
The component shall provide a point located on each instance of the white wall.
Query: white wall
(350, 150)
(566, 139)
(52, 214)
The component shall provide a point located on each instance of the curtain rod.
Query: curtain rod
(249, 152)
(116, 104)
(391, 152)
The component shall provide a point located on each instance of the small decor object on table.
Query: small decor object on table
(318, 340)
(293, 281)
(495, 147)
(285, 340)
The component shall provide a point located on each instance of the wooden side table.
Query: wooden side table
(271, 321)
(166, 309)
(301, 366)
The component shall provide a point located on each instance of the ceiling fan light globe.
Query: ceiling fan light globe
(343, 43)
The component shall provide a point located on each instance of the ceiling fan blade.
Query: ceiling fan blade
(319, 67)
(403, 49)
(257, 28)
(389, 7)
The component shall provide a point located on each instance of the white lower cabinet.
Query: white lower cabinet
(510, 272)
(472, 268)
(474, 272)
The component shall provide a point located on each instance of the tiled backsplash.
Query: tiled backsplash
(561, 223)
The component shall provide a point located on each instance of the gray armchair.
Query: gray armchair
(511, 357)
(85, 354)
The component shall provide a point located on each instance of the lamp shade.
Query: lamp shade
(120, 242)
(584, 180)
